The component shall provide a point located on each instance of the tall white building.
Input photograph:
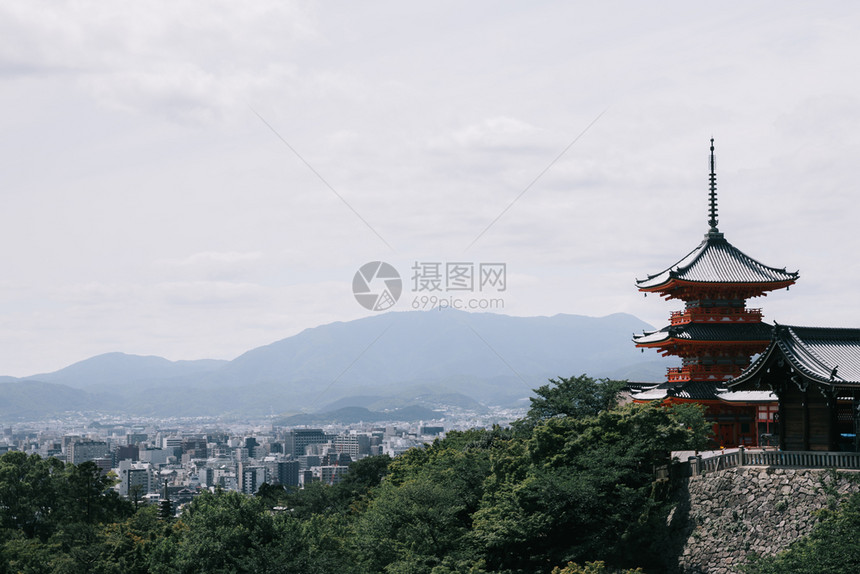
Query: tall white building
(137, 478)
(84, 450)
(251, 478)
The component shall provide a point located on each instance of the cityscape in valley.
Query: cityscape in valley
(287, 441)
(302, 409)
(777, 400)
(715, 335)
(429, 287)
(188, 456)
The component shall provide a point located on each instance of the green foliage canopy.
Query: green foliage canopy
(576, 397)
(571, 484)
(580, 488)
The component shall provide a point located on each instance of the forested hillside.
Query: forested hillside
(572, 481)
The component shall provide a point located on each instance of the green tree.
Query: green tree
(420, 517)
(314, 498)
(87, 496)
(52, 514)
(22, 555)
(271, 494)
(579, 489)
(416, 522)
(328, 544)
(347, 496)
(125, 547)
(364, 475)
(29, 494)
(228, 532)
(576, 397)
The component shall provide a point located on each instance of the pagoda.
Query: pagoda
(715, 334)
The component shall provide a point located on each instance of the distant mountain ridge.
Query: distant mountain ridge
(30, 400)
(107, 369)
(422, 358)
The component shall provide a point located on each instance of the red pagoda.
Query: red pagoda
(715, 335)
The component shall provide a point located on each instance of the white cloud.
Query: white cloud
(210, 293)
(147, 209)
(213, 257)
(497, 134)
(215, 265)
(179, 59)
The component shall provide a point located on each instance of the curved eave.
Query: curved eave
(829, 353)
(751, 371)
(647, 397)
(668, 287)
(780, 345)
(810, 357)
(706, 334)
(692, 342)
(715, 260)
(748, 398)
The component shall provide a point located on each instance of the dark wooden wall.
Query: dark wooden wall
(807, 420)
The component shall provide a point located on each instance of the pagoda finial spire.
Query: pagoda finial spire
(712, 211)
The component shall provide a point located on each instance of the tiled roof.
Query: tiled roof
(823, 354)
(655, 393)
(707, 332)
(698, 391)
(691, 390)
(747, 397)
(716, 260)
(638, 386)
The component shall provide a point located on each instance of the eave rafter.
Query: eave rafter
(686, 290)
(685, 348)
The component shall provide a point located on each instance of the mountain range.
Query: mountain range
(393, 360)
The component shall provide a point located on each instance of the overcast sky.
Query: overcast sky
(195, 179)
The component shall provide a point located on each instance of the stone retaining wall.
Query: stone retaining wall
(723, 517)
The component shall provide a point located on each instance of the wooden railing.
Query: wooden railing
(778, 458)
(703, 373)
(715, 314)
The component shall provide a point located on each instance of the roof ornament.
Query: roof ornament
(712, 211)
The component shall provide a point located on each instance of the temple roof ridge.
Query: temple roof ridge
(715, 260)
(758, 331)
(829, 355)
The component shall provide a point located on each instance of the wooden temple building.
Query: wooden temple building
(715, 334)
(815, 374)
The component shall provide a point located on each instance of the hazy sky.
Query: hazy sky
(152, 204)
